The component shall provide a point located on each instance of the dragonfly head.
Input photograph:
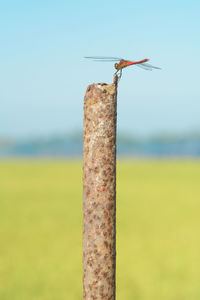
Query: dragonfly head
(116, 66)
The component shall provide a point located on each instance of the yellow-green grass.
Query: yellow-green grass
(158, 230)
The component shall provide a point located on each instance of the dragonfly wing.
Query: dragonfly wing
(103, 58)
(144, 67)
(107, 60)
(147, 66)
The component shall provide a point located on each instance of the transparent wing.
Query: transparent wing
(147, 67)
(103, 58)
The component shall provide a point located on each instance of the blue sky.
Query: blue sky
(44, 77)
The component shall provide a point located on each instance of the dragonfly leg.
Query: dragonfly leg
(120, 75)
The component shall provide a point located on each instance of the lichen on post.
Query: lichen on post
(99, 191)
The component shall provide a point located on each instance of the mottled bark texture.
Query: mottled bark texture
(99, 192)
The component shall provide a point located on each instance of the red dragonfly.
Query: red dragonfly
(123, 63)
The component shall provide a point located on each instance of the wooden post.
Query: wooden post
(99, 191)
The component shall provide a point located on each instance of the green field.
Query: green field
(158, 230)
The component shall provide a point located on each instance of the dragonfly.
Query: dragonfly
(121, 63)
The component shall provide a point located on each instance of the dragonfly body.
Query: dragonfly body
(122, 63)
(125, 63)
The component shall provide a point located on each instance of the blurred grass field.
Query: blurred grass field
(158, 223)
